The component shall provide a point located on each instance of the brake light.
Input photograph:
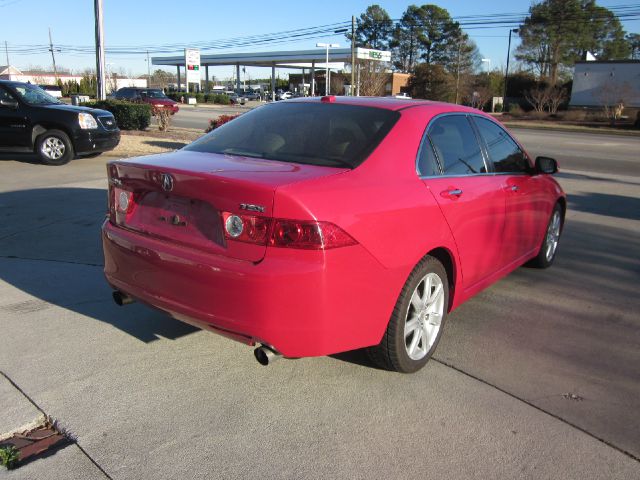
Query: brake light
(246, 228)
(309, 235)
(282, 233)
(122, 204)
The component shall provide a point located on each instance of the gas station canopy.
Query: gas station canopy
(296, 59)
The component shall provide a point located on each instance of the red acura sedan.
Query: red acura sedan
(321, 225)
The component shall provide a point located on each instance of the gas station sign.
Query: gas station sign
(192, 65)
(376, 55)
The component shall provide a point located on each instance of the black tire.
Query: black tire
(544, 259)
(392, 352)
(54, 147)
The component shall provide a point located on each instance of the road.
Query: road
(198, 117)
(597, 153)
(536, 377)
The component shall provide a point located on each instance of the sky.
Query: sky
(151, 22)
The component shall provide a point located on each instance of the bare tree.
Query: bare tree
(538, 98)
(372, 78)
(478, 97)
(613, 97)
(555, 97)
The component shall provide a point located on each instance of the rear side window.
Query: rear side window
(456, 145)
(312, 133)
(126, 93)
(427, 164)
(504, 152)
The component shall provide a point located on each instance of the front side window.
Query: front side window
(456, 145)
(34, 95)
(4, 96)
(311, 133)
(504, 152)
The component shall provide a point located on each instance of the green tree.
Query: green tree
(633, 40)
(557, 33)
(428, 33)
(374, 28)
(407, 38)
(432, 82)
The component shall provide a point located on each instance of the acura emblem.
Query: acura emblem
(167, 182)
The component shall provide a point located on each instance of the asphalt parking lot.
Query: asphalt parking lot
(536, 377)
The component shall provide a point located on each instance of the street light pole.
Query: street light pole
(101, 87)
(506, 71)
(327, 46)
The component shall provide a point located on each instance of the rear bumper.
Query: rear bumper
(93, 141)
(302, 303)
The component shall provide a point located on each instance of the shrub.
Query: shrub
(128, 115)
(498, 108)
(221, 120)
(164, 117)
(574, 115)
(515, 110)
(9, 456)
(221, 99)
(199, 97)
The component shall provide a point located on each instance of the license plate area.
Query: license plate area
(183, 220)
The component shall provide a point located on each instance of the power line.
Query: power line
(467, 22)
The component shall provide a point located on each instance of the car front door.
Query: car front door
(472, 201)
(14, 124)
(525, 211)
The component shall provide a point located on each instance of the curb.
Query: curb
(586, 130)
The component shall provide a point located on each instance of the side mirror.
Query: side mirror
(12, 104)
(546, 165)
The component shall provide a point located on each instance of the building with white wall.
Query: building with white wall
(596, 84)
(114, 82)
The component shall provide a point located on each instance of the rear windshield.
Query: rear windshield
(312, 133)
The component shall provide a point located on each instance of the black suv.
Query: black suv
(31, 120)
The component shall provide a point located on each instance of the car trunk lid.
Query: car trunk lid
(180, 196)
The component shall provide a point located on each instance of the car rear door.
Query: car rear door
(472, 201)
(525, 212)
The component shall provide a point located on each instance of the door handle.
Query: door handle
(515, 188)
(455, 192)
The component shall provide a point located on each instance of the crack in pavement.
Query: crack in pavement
(74, 441)
(45, 225)
(540, 409)
(15, 257)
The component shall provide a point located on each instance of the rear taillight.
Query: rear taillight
(121, 205)
(246, 228)
(308, 235)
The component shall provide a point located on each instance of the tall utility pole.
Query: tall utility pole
(53, 55)
(458, 70)
(101, 84)
(506, 71)
(6, 50)
(353, 53)
(148, 69)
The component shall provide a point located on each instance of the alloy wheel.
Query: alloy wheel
(553, 236)
(53, 148)
(424, 316)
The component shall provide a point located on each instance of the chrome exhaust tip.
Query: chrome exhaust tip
(265, 355)
(122, 298)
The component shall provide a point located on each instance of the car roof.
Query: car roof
(390, 103)
(13, 83)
